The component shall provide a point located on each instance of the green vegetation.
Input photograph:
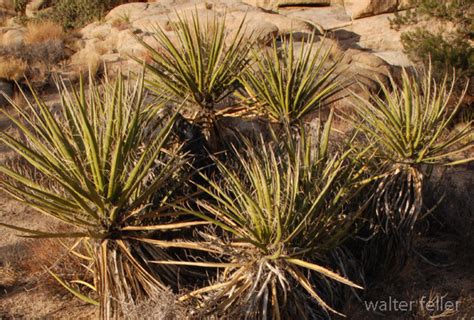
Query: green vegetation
(273, 227)
(284, 210)
(408, 131)
(290, 83)
(458, 53)
(200, 67)
(99, 166)
(72, 14)
(446, 50)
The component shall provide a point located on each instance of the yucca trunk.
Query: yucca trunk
(122, 280)
(399, 199)
(398, 204)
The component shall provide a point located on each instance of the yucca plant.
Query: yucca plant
(407, 128)
(198, 63)
(289, 83)
(279, 213)
(102, 166)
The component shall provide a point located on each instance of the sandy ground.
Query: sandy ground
(27, 293)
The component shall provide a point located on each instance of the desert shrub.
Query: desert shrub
(36, 62)
(12, 68)
(20, 5)
(200, 68)
(73, 14)
(445, 9)
(43, 49)
(290, 83)
(444, 50)
(457, 53)
(408, 131)
(100, 165)
(283, 208)
(48, 52)
(39, 32)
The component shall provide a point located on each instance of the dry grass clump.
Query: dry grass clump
(36, 61)
(50, 255)
(37, 57)
(8, 275)
(48, 52)
(12, 69)
(43, 31)
(164, 307)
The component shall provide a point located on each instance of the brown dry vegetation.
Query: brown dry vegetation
(12, 68)
(43, 31)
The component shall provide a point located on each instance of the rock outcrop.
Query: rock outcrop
(367, 44)
(114, 40)
(366, 8)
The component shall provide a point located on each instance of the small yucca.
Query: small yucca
(198, 64)
(289, 83)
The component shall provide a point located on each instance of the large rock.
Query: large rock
(366, 8)
(326, 18)
(116, 35)
(374, 33)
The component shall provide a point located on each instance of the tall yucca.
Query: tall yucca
(408, 129)
(198, 63)
(99, 164)
(282, 211)
(289, 83)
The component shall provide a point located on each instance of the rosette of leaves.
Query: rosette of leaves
(279, 213)
(198, 64)
(288, 83)
(104, 167)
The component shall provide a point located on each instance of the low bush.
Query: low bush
(73, 14)
(445, 54)
(13, 68)
(446, 51)
(289, 83)
(40, 32)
